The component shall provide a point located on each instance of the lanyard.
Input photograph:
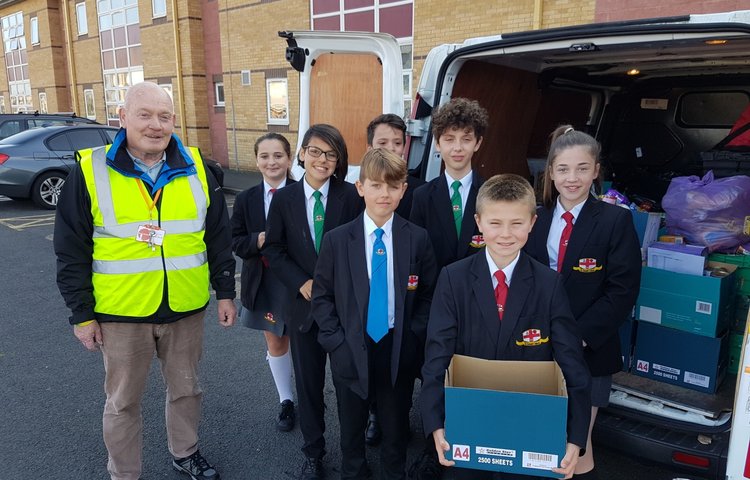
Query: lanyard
(150, 204)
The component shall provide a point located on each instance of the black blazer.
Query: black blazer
(248, 221)
(464, 320)
(601, 299)
(432, 210)
(341, 294)
(289, 247)
(404, 206)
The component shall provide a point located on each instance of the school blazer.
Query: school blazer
(601, 273)
(289, 247)
(432, 210)
(404, 206)
(464, 320)
(341, 295)
(248, 220)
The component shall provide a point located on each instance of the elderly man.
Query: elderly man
(141, 229)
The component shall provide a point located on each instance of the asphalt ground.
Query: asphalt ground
(51, 389)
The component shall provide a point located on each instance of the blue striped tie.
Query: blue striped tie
(377, 308)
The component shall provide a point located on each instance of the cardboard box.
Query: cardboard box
(680, 258)
(696, 304)
(495, 411)
(627, 335)
(680, 358)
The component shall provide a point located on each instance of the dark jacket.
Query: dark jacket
(73, 237)
(341, 296)
(248, 221)
(600, 299)
(432, 210)
(289, 247)
(464, 320)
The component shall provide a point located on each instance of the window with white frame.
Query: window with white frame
(167, 88)
(34, 25)
(120, 42)
(387, 16)
(43, 102)
(277, 101)
(16, 62)
(159, 8)
(81, 19)
(88, 101)
(219, 94)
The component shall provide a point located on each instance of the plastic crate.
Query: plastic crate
(743, 269)
(735, 350)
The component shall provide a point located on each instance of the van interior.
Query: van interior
(654, 102)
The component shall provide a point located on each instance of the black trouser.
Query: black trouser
(309, 360)
(393, 414)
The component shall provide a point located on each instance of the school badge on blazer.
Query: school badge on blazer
(477, 241)
(413, 282)
(587, 265)
(268, 317)
(531, 338)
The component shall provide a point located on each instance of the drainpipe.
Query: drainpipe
(71, 59)
(538, 9)
(178, 58)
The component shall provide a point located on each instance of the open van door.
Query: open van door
(346, 79)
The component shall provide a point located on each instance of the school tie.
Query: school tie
(377, 308)
(456, 201)
(564, 238)
(319, 215)
(263, 259)
(501, 292)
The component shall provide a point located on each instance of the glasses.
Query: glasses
(315, 152)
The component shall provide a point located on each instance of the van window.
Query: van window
(711, 109)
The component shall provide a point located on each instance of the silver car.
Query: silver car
(35, 163)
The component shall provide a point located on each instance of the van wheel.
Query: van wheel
(47, 188)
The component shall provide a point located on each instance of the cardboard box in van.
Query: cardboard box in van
(496, 411)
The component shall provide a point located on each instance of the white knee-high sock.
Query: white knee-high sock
(281, 369)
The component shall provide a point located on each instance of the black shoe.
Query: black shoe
(372, 432)
(426, 467)
(285, 421)
(196, 466)
(312, 469)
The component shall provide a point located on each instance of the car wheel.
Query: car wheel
(47, 188)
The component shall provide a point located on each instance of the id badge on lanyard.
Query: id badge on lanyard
(149, 233)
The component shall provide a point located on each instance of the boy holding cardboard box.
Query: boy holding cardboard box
(467, 318)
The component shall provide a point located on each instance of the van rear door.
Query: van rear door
(346, 79)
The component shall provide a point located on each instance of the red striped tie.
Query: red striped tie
(501, 292)
(564, 238)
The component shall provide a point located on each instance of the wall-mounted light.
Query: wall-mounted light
(633, 72)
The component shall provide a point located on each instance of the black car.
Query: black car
(12, 123)
(35, 163)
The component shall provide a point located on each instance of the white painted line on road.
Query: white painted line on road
(31, 221)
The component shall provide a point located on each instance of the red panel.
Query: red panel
(135, 56)
(360, 22)
(349, 4)
(397, 20)
(119, 36)
(108, 58)
(121, 57)
(134, 34)
(327, 23)
(325, 6)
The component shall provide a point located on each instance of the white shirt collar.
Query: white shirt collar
(267, 188)
(309, 190)
(559, 210)
(370, 226)
(465, 182)
(508, 270)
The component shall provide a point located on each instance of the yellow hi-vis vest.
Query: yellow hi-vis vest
(127, 275)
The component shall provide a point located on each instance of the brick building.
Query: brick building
(223, 61)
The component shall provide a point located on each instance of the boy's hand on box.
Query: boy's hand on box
(569, 461)
(442, 446)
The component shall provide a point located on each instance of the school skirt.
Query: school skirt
(269, 311)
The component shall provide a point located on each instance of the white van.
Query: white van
(655, 93)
